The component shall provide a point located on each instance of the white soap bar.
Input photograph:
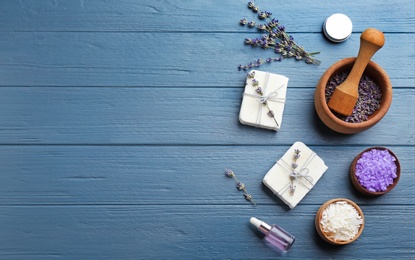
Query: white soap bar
(256, 104)
(303, 178)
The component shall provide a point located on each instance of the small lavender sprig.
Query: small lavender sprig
(275, 37)
(239, 185)
(294, 165)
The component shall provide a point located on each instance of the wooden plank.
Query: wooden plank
(214, 15)
(174, 175)
(174, 59)
(42, 115)
(119, 117)
(188, 232)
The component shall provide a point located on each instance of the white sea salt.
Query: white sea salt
(341, 221)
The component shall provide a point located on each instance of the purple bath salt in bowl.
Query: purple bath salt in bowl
(376, 170)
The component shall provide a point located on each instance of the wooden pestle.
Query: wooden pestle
(346, 94)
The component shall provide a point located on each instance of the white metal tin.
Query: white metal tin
(338, 27)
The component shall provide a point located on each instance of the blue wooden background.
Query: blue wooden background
(117, 119)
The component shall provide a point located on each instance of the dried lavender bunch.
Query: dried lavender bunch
(275, 37)
(368, 102)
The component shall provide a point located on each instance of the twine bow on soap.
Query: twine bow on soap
(259, 96)
(272, 96)
(298, 176)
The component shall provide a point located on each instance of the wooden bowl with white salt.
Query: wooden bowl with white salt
(339, 221)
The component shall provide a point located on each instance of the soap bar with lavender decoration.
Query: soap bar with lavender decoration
(263, 100)
(295, 174)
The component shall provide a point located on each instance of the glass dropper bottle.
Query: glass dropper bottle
(274, 234)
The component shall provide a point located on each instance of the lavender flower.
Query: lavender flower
(251, 24)
(247, 41)
(240, 186)
(248, 197)
(262, 15)
(297, 154)
(262, 27)
(259, 91)
(276, 38)
(229, 173)
(294, 165)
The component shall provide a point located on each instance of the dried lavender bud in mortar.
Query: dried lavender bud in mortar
(368, 102)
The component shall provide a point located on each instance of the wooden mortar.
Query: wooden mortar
(372, 70)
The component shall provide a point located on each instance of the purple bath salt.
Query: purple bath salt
(376, 169)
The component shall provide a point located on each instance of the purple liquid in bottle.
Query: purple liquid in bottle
(275, 235)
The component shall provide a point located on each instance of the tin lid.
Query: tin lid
(338, 27)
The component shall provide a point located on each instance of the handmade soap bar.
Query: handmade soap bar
(263, 100)
(295, 174)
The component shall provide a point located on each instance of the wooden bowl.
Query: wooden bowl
(356, 182)
(319, 227)
(372, 70)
